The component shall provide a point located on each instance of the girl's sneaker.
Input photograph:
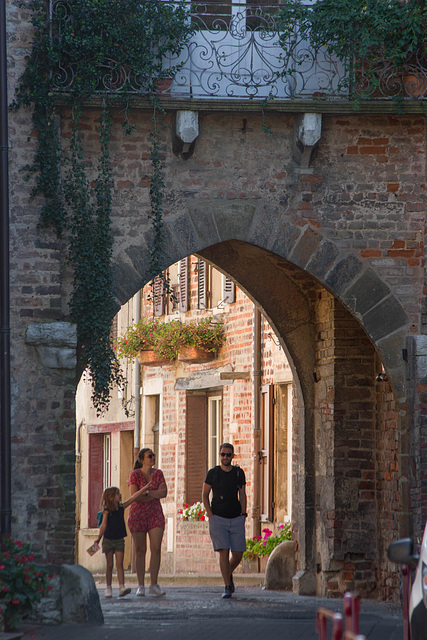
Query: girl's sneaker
(155, 590)
(108, 592)
(124, 591)
(140, 591)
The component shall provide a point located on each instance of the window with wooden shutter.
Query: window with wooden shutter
(202, 284)
(282, 452)
(96, 454)
(196, 465)
(184, 285)
(229, 290)
(158, 296)
(266, 453)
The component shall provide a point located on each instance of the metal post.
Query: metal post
(5, 434)
(257, 373)
(351, 611)
(406, 595)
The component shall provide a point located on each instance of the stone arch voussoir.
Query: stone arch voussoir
(352, 280)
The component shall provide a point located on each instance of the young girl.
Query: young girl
(113, 531)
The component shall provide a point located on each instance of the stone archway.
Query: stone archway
(243, 200)
(291, 299)
(353, 282)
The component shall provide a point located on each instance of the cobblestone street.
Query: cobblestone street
(192, 612)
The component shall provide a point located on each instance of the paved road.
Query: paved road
(198, 612)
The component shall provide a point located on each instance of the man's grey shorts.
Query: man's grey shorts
(228, 533)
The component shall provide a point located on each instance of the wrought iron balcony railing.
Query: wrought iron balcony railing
(235, 53)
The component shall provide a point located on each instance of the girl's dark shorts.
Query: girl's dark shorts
(113, 545)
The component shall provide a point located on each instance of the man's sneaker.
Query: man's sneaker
(140, 591)
(124, 591)
(108, 592)
(154, 590)
(227, 592)
(232, 588)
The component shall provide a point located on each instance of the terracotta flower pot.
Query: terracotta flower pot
(415, 85)
(262, 563)
(149, 358)
(195, 355)
(163, 86)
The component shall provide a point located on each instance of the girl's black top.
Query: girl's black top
(116, 527)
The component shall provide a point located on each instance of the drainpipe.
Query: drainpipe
(257, 423)
(5, 430)
(137, 377)
(137, 432)
(78, 490)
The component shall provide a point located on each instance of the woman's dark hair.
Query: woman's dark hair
(140, 458)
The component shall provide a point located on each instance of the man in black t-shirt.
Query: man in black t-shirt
(226, 513)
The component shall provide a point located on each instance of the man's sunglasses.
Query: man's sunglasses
(151, 455)
(225, 455)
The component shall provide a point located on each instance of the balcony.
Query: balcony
(234, 54)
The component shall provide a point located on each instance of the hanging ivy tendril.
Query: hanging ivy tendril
(83, 49)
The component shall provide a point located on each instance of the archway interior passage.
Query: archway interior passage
(183, 409)
(322, 474)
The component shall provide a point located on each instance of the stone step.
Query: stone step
(249, 579)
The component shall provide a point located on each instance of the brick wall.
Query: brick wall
(362, 209)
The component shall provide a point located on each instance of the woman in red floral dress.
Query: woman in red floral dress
(146, 516)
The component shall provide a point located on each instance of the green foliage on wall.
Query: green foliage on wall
(80, 50)
(367, 36)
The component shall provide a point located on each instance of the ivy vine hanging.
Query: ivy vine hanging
(114, 49)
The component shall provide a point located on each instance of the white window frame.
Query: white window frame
(214, 433)
(106, 467)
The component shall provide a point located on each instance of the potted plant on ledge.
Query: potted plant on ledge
(201, 341)
(157, 343)
(139, 341)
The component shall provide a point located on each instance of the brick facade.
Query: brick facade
(334, 255)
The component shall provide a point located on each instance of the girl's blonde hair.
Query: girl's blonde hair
(108, 498)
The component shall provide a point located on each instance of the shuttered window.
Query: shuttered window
(229, 290)
(203, 284)
(184, 285)
(96, 441)
(196, 447)
(158, 296)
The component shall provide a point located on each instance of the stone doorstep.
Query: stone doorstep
(247, 579)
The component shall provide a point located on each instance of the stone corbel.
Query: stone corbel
(55, 343)
(186, 132)
(309, 131)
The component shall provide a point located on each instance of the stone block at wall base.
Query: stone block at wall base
(280, 567)
(304, 584)
(79, 596)
(73, 598)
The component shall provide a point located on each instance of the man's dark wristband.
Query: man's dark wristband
(244, 514)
